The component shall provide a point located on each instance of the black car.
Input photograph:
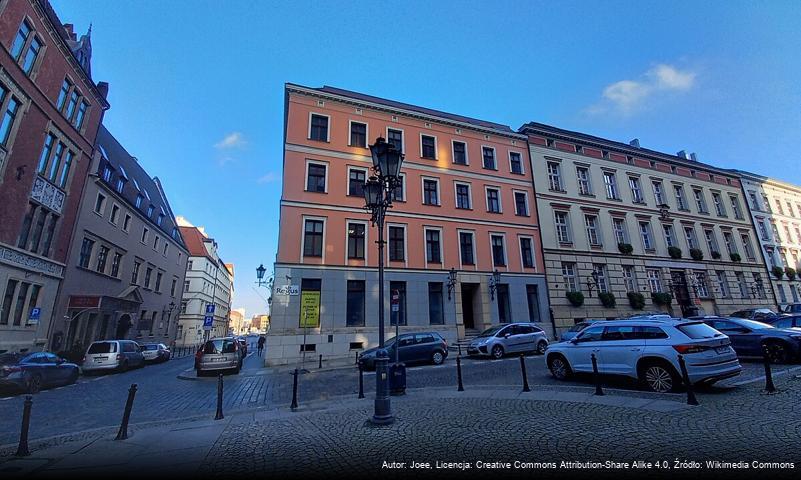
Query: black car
(426, 347)
(33, 372)
(750, 337)
(759, 314)
(785, 321)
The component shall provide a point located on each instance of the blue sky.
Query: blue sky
(196, 88)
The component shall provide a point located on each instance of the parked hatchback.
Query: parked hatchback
(155, 352)
(785, 321)
(108, 355)
(575, 329)
(36, 371)
(219, 354)
(512, 338)
(425, 347)
(648, 350)
(754, 314)
(751, 338)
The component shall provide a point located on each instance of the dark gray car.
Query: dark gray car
(425, 347)
(751, 338)
(33, 372)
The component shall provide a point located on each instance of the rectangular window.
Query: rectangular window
(430, 194)
(399, 317)
(527, 252)
(763, 230)
(79, 117)
(356, 233)
(435, 307)
(701, 284)
(313, 238)
(533, 300)
(21, 39)
(315, 181)
(521, 204)
(700, 201)
(397, 192)
(48, 235)
(583, 177)
(428, 147)
(742, 284)
(126, 223)
(759, 286)
(19, 306)
(358, 134)
(562, 227)
(569, 277)
(135, 273)
(459, 153)
(159, 276)
(463, 196)
(711, 241)
(493, 200)
(630, 278)
(593, 234)
(504, 306)
(72, 104)
(723, 285)
(100, 204)
(86, 252)
(749, 249)
(488, 154)
(319, 128)
(45, 156)
(102, 257)
(56, 163)
(139, 199)
(516, 163)
(31, 55)
(610, 183)
(555, 177)
(433, 252)
(115, 214)
(172, 287)
(38, 228)
(356, 179)
(8, 300)
(659, 192)
(600, 278)
(397, 251)
(498, 253)
(148, 275)
(636, 190)
(9, 116)
(681, 202)
(466, 248)
(395, 137)
(689, 234)
(729, 241)
(720, 208)
(621, 233)
(144, 235)
(354, 316)
(115, 264)
(646, 236)
(654, 280)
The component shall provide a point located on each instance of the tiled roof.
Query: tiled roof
(195, 242)
(391, 104)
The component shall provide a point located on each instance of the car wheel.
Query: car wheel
(437, 358)
(559, 367)
(659, 377)
(124, 366)
(497, 351)
(777, 352)
(73, 378)
(34, 384)
(541, 347)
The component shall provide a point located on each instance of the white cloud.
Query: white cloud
(232, 140)
(627, 97)
(269, 177)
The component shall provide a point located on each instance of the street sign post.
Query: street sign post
(394, 302)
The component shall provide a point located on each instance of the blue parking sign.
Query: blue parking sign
(33, 318)
(208, 322)
(210, 309)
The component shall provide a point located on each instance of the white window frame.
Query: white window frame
(560, 184)
(441, 241)
(528, 206)
(629, 282)
(635, 181)
(522, 164)
(720, 207)
(328, 130)
(670, 239)
(659, 194)
(624, 230)
(436, 146)
(457, 183)
(520, 239)
(568, 230)
(366, 224)
(403, 136)
(700, 200)
(350, 168)
(690, 237)
(596, 227)
(466, 154)
(711, 240)
(654, 277)
(505, 250)
(573, 274)
(111, 214)
(423, 179)
(588, 180)
(472, 233)
(350, 129)
(487, 188)
(405, 228)
(650, 235)
(403, 188)
(306, 176)
(303, 236)
(611, 185)
(494, 156)
(102, 211)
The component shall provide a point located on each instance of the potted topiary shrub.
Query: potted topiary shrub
(778, 272)
(735, 257)
(625, 248)
(790, 272)
(674, 252)
(607, 299)
(576, 298)
(661, 298)
(696, 254)
(636, 300)
(716, 255)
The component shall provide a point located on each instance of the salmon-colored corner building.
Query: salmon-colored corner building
(466, 203)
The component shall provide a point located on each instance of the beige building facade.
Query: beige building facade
(627, 228)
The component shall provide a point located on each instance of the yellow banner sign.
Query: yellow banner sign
(310, 309)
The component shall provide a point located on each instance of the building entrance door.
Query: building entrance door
(682, 293)
(123, 324)
(468, 297)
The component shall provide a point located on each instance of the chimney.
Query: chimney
(682, 154)
(693, 157)
(102, 87)
(635, 143)
(69, 28)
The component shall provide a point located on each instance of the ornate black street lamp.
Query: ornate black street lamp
(495, 280)
(592, 283)
(451, 282)
(664, 211)
(260, 275)
(378, 190)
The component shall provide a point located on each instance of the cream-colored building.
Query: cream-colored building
(237, 321)
(610, 213)
(776, 210)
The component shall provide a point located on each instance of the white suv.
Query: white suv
(647, 349)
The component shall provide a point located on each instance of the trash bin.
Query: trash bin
(397, 379)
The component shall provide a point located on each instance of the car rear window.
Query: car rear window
(103, 347)
(219, 346)
(698, 330)
(150, 347)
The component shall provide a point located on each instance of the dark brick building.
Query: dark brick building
(50, 110)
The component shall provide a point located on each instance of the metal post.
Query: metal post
(219, 415)
(769, 386)
(459, 373)
(383, 410)
(361, 381)
(459, 346)
(691, 400)
(294, 404)
(595, 376)
(523, 372)
(320, 365)
(22, 449)
(357, 357)
(122, 434)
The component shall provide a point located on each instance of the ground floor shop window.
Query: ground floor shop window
(355, 303)
(504, 309)
(532, 297)
(310, 302)
(435, 313)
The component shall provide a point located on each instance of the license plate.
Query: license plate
(722, 349)
(218, 360)
(100, 359)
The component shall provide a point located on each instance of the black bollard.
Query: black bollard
(320, 365)
(691, 400)
(122, 434)
(459, 346)
(219, 415)
(294, 405)
(523, 372)
(459, 373)
(595, 376)
(357, 358)
(22, 449)
(361, 381)
(769, 386)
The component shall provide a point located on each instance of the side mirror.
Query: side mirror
(60, 360)
(507, 335)
(574, 340)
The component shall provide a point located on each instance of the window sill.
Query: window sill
(463, 208)
(639, 203)
(650, 250)
(312, 191)
(588, 195)
(522, 215)
(428, 158)
(432, 204)
(490, 168)
(566, 244)
(317, 140)
(556, 191)
(518, 173)
(615, 199)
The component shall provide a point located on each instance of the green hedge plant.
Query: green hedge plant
(661, 298)
(674, 252)
(696, 254)
(576, 298)
(636, 300)
(625, 248)
(607, 299)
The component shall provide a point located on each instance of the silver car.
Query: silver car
(509, 338)
(219, 354)
(112, 355)
(155, 352)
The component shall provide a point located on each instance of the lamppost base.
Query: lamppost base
(382, 420)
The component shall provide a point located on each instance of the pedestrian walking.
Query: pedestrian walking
(261, 344)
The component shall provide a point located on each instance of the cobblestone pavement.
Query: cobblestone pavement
(97, 402)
